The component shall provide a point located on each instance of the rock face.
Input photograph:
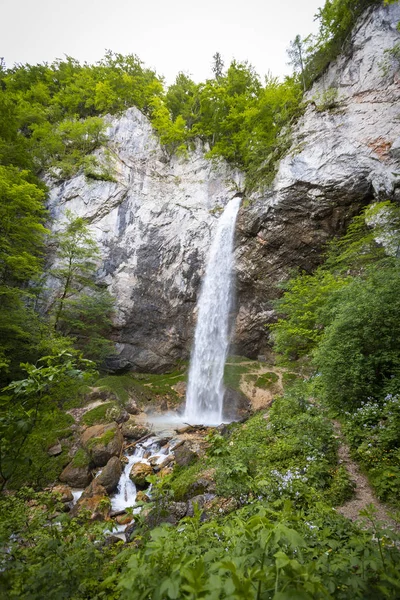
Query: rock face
(341, 159)
(154, 223)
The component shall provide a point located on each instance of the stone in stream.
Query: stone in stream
(109, 476)
(138, 474)
(95, 500)
(132, 431)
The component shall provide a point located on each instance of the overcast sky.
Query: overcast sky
(168, 35)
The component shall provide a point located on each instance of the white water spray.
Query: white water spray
(205, 394)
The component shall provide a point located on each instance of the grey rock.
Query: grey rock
(110, 474)
(76, 477)
(184, 455)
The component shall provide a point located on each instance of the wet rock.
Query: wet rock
(138, 474)
(76, 477)
(184, 455)
(168, 460)
(102, 442)
(132, 431)
(124, 519)
(110, 475)
(235, 405)
(65, 492)
(129, 531)
(153, 460)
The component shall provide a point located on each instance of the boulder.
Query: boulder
(168, 460)
(131, 407)
(110, 475)
(64, 491)
(124, 519)
(200, 501)
(95, 500)
(184, 455)
(138, 474)
(236, 405)
(55, 450)
(168, 513)
(102, 442)
(76, 477)
(142, 497)
(132, 431)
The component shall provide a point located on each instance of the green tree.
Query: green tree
(296, 53)
(79, 307)
(22, 237)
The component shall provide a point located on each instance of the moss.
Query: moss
(184, 477)
(98, 414)
(81, 459)
(144, 387)
(267, 380)
(102, 440)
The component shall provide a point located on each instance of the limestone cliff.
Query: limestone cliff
(345, 153)
(154, 222)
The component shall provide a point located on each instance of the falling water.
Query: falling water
(204, 398)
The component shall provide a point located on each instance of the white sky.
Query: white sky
(169, 36)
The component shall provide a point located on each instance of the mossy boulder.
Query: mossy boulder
(132, 431)
(138, 474)
(102, 442)
(95, 500)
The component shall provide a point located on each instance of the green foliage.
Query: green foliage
(51, 556)
(373, 432)
(359, 353)
(264, 553)
(31, 419)
(80, 459)
(78, 307)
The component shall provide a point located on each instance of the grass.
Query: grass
(144, 387)
(267, 380)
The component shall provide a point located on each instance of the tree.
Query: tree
(79, 307)
(217, 66)
(296, 53)
(21, 252)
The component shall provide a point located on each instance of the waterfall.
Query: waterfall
(205, 393)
